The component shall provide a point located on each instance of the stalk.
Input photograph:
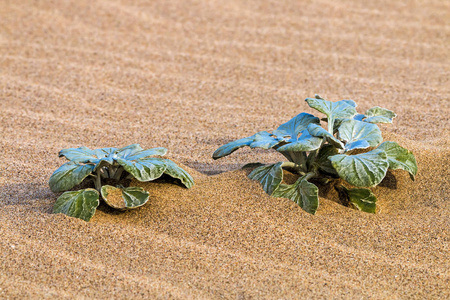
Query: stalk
(98, 181)
(291, 165)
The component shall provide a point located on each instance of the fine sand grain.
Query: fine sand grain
(191, 76)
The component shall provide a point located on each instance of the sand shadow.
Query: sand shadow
(389, 181)
(36, 195)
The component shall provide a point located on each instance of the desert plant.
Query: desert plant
(113, 166)
(319, 154)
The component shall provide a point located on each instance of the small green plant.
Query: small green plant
(316, 153)
(113, 166)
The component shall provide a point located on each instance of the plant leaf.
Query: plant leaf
(79, 204)
(124, 198)
(305, 142)
(144, 169)
(86, 155)
(173, 170)
(230, 147)
(361, 170)
(302, 192)
(323, 161)
(379, 115)
(333, 110)
(359, 135)
(142, 154)
(361, 199)
(316, 130)
(127, 151)
(265, 140)
(295, 126)
(400, 158)
(269, 176)
(69, 175)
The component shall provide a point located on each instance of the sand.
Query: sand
(191, 76)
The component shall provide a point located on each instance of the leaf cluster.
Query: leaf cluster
(338, 150)
(110, 165)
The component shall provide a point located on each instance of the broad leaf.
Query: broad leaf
(399, 158)
(142, 154)
(79, 204)
(361, 199)
(379, 115)
(265, 140)
(359, 135)
(269, 176)
(231, 147)
(305, 142)
(333, 110)
(361, 170)
(302, 192)
(295, 126)
(144, 169)
(323, 161)
(128, 150)
(124, 198)
(69, 175)
(350, 102)
(295, 156)
(173, 170)
(316, 130)
(86, 155)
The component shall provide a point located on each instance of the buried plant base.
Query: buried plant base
(111, 165)
(340, 151)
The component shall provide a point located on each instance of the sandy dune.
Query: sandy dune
(191, 76)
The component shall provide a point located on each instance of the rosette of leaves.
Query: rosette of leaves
(110, 165)
(348, 147)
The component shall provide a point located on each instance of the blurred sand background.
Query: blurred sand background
(191, 76)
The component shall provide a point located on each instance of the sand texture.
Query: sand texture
(191, 76)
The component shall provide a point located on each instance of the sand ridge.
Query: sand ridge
(191, 76)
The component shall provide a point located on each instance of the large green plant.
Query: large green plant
(339, 151)
(110, 165)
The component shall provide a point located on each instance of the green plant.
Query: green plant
(319, 154)
(113, 166)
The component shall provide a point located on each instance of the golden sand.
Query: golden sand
(191, 76)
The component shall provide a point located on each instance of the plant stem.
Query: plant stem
(310, 175)
(291, 165)
(118, 173)
(331, 125)
(98, 181)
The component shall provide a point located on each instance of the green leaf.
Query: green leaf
(141, 154)
(361, 170)
(379, 115)
(359, 135)
(302, 192)
(232, 146)
(295, 126)
(295, 156)
(86, 155)
(79, 204)
(361, 199)
(69, 175)
(316, 130)
(147, 169)
(323, 161)
(128, 150)
(400, 158)
(265, 140)
(124, 198)
(173, 170)
(305, 142)
(333, 110)
(269, 176)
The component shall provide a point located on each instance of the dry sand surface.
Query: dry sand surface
(191, 76)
